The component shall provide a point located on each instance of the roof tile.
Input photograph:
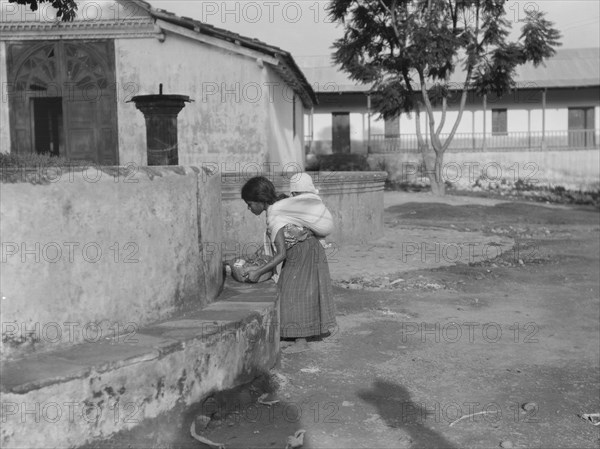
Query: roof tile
(570, 67)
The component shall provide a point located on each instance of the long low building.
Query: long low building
(555, 106)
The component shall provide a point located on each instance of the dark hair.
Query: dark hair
(261, 190)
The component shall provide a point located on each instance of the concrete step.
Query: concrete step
(90, 391)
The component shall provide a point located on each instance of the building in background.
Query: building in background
(555, 106)
(67, 86)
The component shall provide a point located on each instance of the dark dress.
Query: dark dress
(305, 293)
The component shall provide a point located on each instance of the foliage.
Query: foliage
(407, 51)
(343, 162)
(35, 160)
(520, 190)
(66, 10)
(37, 168)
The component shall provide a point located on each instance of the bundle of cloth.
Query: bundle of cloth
(306, 210)
(296, 214)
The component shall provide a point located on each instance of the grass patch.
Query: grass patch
(519, 190)
(37, 168)
(35, 160)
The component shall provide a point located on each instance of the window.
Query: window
(499, 126)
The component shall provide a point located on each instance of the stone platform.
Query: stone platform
(90, 391)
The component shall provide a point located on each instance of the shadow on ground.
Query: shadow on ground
(394, 405)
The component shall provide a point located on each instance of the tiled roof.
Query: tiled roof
(570, 67)
(325, 77)
(287, 68)
(578, 67)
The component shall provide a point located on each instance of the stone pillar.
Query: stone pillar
(160, 112)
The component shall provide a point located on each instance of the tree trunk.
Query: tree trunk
(438, 187)
(433, 169)
(432, 157)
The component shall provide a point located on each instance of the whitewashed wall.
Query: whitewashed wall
(241, 112)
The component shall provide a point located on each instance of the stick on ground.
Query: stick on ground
(473, 414)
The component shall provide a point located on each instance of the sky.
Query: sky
(302, 28)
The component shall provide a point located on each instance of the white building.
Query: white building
(66, 87)
(556, 105)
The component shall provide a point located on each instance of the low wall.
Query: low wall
(355, 200)
(90, 253)
(572, 169)
(88, 393)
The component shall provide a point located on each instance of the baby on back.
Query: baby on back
(302, 184)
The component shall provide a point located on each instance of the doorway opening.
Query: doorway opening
(340, 132)
(581, 127)
(48, 126)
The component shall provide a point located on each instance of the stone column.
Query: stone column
(160, 112)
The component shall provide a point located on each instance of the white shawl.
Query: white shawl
(305, 210)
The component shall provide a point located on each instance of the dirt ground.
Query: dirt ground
(510, 344)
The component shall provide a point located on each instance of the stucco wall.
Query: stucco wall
(210, 218)
(355, 200)
(284, 145)
(104, 249)
(576, 169)
(91, 392)
(241, 112)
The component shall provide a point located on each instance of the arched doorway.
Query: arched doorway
(63, 99)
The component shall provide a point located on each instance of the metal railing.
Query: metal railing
(561, 140)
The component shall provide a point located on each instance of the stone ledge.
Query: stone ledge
(49, 174)
(328, 182)
(90, 391)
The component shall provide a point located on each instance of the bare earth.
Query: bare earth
(507, 340)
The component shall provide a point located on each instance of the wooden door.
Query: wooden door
(581, 127)
(33, 73)
(80, 75)
(90, 106)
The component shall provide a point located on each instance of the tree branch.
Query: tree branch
(461, 108)
(435, 141)
(66, 10)
(443, 119)
(420, 140)
(392, 12)
(477, 44)
(453, 14)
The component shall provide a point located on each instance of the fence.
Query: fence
(536, 140)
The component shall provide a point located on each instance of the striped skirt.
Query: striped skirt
(305, 293)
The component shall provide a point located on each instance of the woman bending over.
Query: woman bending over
(303, 284)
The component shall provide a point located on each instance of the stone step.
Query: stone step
(90, 391)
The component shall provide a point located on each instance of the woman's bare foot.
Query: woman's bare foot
(300, 345)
